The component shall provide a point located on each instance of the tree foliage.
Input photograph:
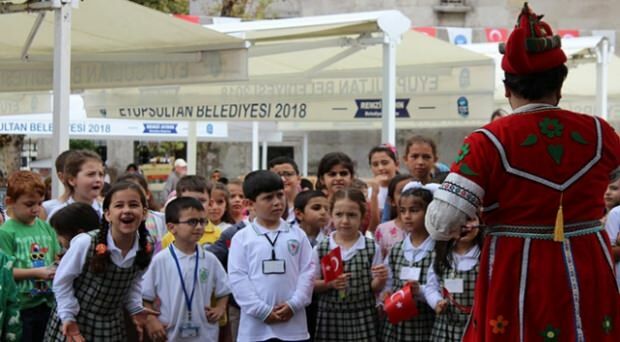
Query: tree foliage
(167, 6)
(246, 9)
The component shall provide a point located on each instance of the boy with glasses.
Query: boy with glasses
(286, 168)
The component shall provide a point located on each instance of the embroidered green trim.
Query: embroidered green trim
(551, 127)
(464, 151)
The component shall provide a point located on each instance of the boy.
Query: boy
(198, 188)
(312, 213)
(184, 277)
(286, 168)
(33, 245)
(270, 266)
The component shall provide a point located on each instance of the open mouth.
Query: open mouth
(127, 219)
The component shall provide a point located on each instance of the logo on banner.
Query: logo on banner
(463, 106)
(496, 35)
(371, 108)
(209, 128)
(160, 128)
(459, 35)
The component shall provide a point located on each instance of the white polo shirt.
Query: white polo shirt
(257, 293)
(162, 280)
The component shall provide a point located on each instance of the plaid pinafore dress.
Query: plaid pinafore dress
(450, 325)
(418, 328)
(353, 318)
(101, 298)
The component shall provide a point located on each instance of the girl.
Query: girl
(83, 177)
(155, 222)
(383, 162)
(219, 213)
(451, 280)
(102, 271)
(237, 201)
(391, 232)
(612, 195)
(346, 305)
(420, 158)
(409, 261)
(335, 173)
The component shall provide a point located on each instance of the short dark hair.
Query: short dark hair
(61, 159)
(283, 160)
(538, 85)
(174, 208)
(192, 183)
(330, 160)
(75, 218)
(261, 181)
(306, 183)
(302, 198)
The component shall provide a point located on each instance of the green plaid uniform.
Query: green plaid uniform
(353, 318)
(418, 328)
(101, 297)
(450, 325)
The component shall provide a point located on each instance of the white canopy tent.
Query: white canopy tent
(141, 47)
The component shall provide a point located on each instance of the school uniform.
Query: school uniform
(201, 275)
(95, 300)
(55, 206)
(405, 255)
(266, 268)
(354, 317)
(458, 282)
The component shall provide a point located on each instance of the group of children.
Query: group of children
(241, 261)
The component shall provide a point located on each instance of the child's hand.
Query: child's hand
(140, 320)
(155, 329)
(415, 287)
(273, 317)
(214, 314)
(72, 332)
(284, 311)
(441, 307)
(379, 272)
(341, 282)
(46, 273)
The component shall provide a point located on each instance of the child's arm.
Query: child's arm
(432, 289)
(44, 273)
(305, 279)
(221, 290)
(133, 299)
(155, 329)
(374, 207)
(379, 271)
(215, 313)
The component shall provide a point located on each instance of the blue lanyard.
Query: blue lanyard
(188, 299)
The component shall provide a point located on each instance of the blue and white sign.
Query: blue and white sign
(160, 128)
(463, 106)
(372, 108)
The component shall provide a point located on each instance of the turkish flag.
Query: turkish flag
(331, 264)
(496, 35)
(566, 34)
(427, 30)
(400, 306)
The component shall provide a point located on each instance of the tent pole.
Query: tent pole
(602, 66)
(62, 86)
(192, 148)
(388, 128)
(255, 165)
(304, 156)
(263, 162)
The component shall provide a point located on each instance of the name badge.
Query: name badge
(410, 273)
(274, 266)
(189, 330)
(454, 285)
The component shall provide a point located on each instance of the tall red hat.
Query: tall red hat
(531, 47)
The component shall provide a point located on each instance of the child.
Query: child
(346, 305)
(33, 245)
(312, 213)
(198, 188)
(409, 261)
(383, 161)
(183, 278)
(101, 273)
(72, 220)
(270, 266)
(237, 200)
(450, 282)
(420, 158)
(219, 206)
(84, 178)
(10, 326)
(286, 168)
(612, 195)
(155, 222)
(59, 163)
(335, 172)
(391, 232)
(612, 227)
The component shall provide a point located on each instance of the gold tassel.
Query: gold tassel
(558, 232)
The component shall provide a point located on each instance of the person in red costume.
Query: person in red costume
(539, 174)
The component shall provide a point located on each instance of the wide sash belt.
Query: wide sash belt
(543, 232)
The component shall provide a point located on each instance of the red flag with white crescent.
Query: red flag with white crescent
(400, 306)
(496, 35)
(331, 264)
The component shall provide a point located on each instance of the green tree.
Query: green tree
(167, 6)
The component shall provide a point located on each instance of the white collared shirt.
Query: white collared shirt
(162, 281)
(463, 263)
(54, 207)
(257, 293)
(612, 227)
(347, 254)
(532, 107)
(71, 266)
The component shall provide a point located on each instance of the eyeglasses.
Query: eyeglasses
(286, 174)
(194, 222)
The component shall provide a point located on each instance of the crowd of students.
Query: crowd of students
(239, 261)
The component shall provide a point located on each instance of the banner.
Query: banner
(459, 35)
(496, 35)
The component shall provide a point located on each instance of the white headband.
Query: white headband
(432, 187)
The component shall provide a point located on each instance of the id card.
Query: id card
(454, 285)
(274, 266)
(410, 273)
(189, 330)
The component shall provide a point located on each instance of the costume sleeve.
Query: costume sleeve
(305, 280)
(460, 196)
(432, 289)
(242, 288)
(11, 325)
(70, 267)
